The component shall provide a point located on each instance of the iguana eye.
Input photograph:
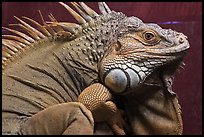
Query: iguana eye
(149, 35)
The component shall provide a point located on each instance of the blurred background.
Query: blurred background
(185, 17)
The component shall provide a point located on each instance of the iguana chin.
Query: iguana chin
(58, 77)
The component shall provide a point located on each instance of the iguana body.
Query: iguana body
(44, 71)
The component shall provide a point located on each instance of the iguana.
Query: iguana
(58, 76)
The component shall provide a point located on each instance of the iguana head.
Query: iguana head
(139, 49)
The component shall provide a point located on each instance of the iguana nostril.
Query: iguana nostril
(181, 40)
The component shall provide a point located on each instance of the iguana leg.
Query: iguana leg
(67, 119)
(98, 100)
(114, 120)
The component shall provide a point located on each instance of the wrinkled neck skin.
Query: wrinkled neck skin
(153, 107)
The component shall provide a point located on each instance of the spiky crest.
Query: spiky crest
(15, 44)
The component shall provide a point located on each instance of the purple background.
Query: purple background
(187, 83)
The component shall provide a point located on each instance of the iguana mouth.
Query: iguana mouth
(179, 49)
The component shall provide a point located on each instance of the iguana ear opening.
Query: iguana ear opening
(118, 46)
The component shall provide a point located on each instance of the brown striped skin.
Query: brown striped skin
(99, 101)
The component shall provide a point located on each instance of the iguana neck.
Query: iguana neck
(80, 61)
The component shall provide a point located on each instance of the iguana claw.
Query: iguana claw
(98, 100)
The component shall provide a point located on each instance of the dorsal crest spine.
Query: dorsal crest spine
(19, 41)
